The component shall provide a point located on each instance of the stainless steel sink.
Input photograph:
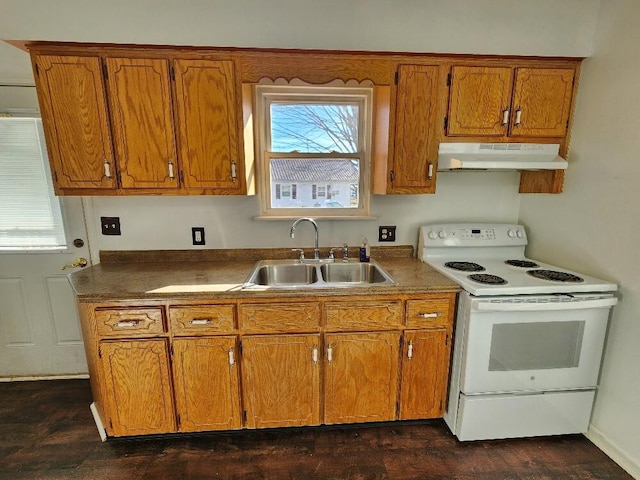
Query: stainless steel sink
(295, 274)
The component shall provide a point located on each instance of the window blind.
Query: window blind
(30, 213)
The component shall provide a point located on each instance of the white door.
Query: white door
(39, 329)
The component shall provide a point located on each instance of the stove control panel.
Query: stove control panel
(472, 235)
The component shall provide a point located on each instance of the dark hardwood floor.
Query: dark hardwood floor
(47, 432)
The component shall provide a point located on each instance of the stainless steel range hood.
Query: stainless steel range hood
(499, 156)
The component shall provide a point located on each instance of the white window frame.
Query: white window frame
(267, 94)
(56, 203)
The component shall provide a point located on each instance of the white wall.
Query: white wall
(594, 225)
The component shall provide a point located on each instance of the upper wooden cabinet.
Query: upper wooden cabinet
(207, 124)
(509, 102)
(415, 148)
(73, 104)
(142, 120)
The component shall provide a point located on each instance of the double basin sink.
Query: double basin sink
(297, 274)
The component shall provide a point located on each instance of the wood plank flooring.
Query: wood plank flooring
(47, 432)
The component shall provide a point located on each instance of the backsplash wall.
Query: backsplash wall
(153, 222)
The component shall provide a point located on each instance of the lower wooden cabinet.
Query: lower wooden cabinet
(425, 373)
(137, 387)
(205, 378)
(361, 377)
(281, 380)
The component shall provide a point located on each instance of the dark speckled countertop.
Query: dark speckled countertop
(198, 274)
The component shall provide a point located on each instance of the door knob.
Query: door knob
(78, 262)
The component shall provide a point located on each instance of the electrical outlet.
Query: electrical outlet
(387, 234)
(197, 235)
(110, 225)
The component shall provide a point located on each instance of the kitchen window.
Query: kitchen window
(30, 213)
(313, 147)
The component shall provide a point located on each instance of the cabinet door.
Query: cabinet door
(205, 377)
(137, 386)
(281, 380)
(72, 100)
(415, 148)
(361, 377)
(208, 129)
(478, 99)
(425, 371)
(141, 114)
(542, 102)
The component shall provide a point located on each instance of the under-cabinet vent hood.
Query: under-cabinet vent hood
(500, 156)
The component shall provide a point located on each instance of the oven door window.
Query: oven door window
(535, 346)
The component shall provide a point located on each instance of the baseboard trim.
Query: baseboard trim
(44, 377)
(614, 452)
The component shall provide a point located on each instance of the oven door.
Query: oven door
(537, 343)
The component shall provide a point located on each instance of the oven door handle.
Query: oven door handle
(488, 306)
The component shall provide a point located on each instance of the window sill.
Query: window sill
(316, 217)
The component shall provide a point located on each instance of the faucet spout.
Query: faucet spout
(316, 250)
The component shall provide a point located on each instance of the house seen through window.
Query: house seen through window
(314, 150)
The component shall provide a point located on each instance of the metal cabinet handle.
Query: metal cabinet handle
(233, 171)
(107, 169)
(232, 359)
(314, 354)
(127, 323)
(518, 117)
(329, 353)
(505, 117)
(410, 350)
(430, 171)
(171, 176)
(428, 315)
(200, 321)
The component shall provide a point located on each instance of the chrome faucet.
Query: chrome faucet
(316, 250)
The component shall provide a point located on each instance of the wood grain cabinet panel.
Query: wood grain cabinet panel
(542, 102)
(361, 377)
(415, 146)
(142, 120)
(129, 322)
(425, 373)
(478, 100)
(206, 383)
(281, 380)
(279, 317)
(364, 315)
(202, 319)
(138, 387)
(72, 101)
(207, 124)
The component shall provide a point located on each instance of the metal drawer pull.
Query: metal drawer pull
(314, 354)
(410, 351)
(200, 321)
(428, 315)
(128, 323)
(232, 359)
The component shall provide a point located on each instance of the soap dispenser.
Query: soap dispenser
(364, 250)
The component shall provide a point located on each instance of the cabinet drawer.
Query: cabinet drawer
(205, 319)
(369, 315)
(129, 322)
(428, 313)
(279, 317)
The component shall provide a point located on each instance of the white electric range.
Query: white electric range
(529, 335)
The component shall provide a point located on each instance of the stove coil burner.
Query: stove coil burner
(522, 263)
(465, 266)
(555, 276)
(487, 279)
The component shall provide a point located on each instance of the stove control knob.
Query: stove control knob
(520, 234)
(433, 235)
(511, 233)
(442, 234)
